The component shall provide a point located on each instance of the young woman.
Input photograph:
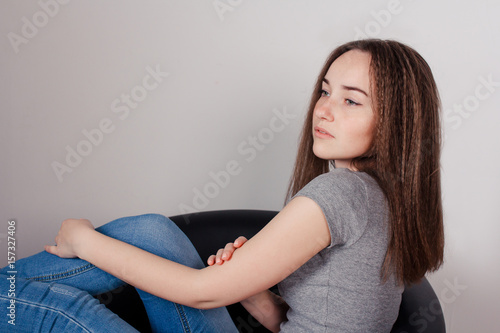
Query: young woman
(342, 249)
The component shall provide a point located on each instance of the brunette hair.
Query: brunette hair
(403, 157)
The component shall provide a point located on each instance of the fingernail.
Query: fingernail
(224, 256)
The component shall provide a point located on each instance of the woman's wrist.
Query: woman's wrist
(254, 298)
(268, 308)
(83, 241)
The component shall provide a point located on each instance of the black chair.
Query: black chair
(420, 310)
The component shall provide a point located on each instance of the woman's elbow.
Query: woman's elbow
(205, 297)
(207, 305)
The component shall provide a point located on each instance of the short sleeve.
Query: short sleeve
(342, 196)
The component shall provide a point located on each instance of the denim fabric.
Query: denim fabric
(54, 294)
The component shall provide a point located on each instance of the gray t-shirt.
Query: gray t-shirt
(340, 289)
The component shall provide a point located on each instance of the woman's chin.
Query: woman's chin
(322, 154)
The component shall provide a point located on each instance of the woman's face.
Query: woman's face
(343, 120)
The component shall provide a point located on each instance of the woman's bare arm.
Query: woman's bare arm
(267, 307)
(294, 236)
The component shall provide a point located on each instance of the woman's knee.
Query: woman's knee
(154, 233)
(161, 236)
(156, 228)
(143, 226)
(154, 222)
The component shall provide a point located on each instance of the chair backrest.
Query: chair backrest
(420, 310)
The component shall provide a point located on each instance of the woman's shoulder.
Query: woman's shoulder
(346, 199)
(341, 187)
(345, 187)
(344, 180)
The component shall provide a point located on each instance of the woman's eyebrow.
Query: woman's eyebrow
(348, 87)
(355, 89)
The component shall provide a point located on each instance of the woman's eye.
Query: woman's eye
(324, 93)
(350, 102)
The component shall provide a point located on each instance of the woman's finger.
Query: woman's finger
(228, 251)
(240, 241)
(211, 260)
(51, 249)
(218, 256)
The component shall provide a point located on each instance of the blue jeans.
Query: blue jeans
(54, 294)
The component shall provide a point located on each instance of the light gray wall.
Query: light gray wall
(233, 66)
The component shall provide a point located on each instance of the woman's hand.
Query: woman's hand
(69, 237)
(226, 253)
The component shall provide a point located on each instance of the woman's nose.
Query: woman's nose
(324, 110)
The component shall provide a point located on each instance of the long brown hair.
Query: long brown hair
(403, 157)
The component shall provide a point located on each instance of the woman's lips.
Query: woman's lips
(322, 133)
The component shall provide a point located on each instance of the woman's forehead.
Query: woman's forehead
(351, 68)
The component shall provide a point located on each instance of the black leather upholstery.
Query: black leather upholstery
(420, 310)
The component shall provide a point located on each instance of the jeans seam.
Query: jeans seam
(183, 317)
(48, 308)
(58, 276)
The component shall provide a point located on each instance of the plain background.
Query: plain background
(232, 66)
